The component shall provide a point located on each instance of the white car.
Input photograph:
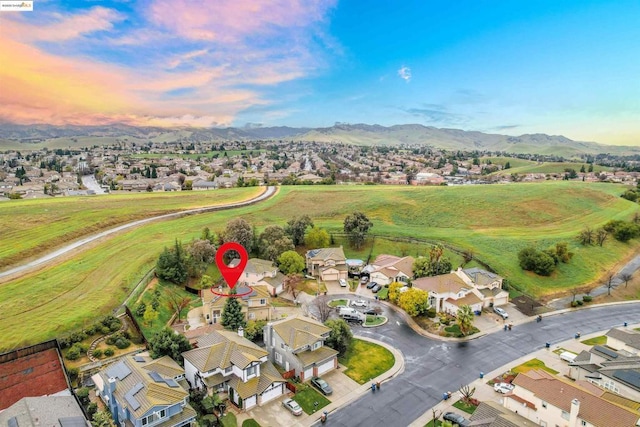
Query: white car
(359, 303)
(503, 387)
(500, 312)
(343, 283)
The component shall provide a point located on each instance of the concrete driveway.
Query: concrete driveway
(274, 414)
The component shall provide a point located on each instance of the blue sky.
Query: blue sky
(569, 67)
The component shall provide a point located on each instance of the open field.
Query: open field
(32, 227)
(522, 166)
(495, 222)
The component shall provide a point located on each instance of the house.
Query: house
(327, 264)
(225, 361)
(298, 344)
(548, 401)
(489, 284)
(140, 391)
(260, 272)
(492, 414)
(387, 269)
(204, 185)
(62, 411)
(427, 178)
(255, 302)
(624, 340)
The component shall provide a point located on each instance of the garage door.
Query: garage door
(330, 276)
(272, 394)
(325, 367)
(308, 374)
(249, 402)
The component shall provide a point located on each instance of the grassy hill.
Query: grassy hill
(495, 222)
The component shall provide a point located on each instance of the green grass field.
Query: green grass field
(521, 166)
(494, 222)
(365, 360)
(31, 227)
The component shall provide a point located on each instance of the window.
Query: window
(229, 369)
(317, 345)
(251, 371)
(263, 301)
(565, 415)
(544, 404)
(583, 423)
(252, 315)
(278, 358)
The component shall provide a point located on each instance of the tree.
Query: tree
(435, 415)
(167, 342)
(273, 242)
(296, 228)
(610, 285)
(625, 232)
(394, 291)
(201, 253)
(317, 238)
(435, 265)
(150, 315)
(291, 284)
(537, 261)
(290, 262)
(322, 309)
(102, 419)
(232, 315)
(601, 236)
(467, 393)
(625, 277)
(176, 303)
(586, 236)
(464, 319)
(340, 335)
(240, 231)
(357, 226)
(172, 265)
(254, 330)
(414, 301)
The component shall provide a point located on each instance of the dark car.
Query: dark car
(376, 288)
(370, 312)
(322, 385)
(456, 419)
(371, 284)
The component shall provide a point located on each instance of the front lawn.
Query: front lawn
(365, 360)
(307, 397)
(383, 293)
(454, 331)
(250, 423)
(229, 420)
(601, 340)
(338, 302)
(533, 364)
(374, 320)
(469, 408)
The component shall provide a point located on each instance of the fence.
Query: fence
(289, 374)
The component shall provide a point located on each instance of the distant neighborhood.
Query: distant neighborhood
(156, 167)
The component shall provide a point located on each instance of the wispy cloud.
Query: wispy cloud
(437, 114)
(405, 73)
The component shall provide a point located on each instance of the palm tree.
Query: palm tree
(465, 319)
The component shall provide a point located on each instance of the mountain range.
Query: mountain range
(14, 136)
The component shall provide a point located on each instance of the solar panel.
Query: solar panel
(72, 422)
(13, 422)
(139, 359)
(156, 377)
(130, 396)
(604, 350)
(119, 371)
(628, 376)
(171, 382)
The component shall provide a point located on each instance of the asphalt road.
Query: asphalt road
(434, 367)
(67, 248)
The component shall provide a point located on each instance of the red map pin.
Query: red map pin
(231, 274)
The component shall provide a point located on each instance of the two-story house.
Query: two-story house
(327, 264)
(548, 401)
(260, 272)
(225, 361)
(143, 392)
(387, 269)
(298, 344)
(489, 284)
(255, 302)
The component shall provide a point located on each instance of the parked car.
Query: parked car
(503, 387)
(359, 303)
(292, 406)
(322, 385)
(456, 419)
(364, 280)
(343, 283)
(370, 312)
(500, 312)
(376, 288)
(371, 284)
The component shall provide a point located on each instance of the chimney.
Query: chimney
(573, 416)
(111, 387)
(241, 331)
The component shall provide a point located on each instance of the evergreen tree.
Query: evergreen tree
(172, 264)
(232, 316)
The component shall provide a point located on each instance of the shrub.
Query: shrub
(431, 313)
(97, 353)
(91, 330)
(77, 337)
(92, 408)
(73, 353)
(73, 373)
(64, 342)
(574, 303)
(141, 308)
(587, 298)
(579, 302)
(83, 395)
(109, 352)
(122, 343)
(105, 330)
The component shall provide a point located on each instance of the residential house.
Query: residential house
(427, 178)
(624, 340)
(204, 185)
(297, 344)
(260, 272)
(255, 302)
(492, 414)
(387, 269)
(225, 361)
(327, 263)
(549, 401)
(143, 392)
(489, 284)
(43, 411)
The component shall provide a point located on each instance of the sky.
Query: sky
(568, 67)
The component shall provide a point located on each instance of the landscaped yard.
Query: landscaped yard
(383, 293)
(454, 331)
(250, 423)
(533, 364)
(338, 302)
(229, 420)
(468, 408)
(601, 340)
(365, 360)
(374, 320)
(307, 397)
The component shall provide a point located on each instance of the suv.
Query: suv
(456, 419)
(500, 312)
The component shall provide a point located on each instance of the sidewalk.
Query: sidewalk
(485, 392)
(398, 367)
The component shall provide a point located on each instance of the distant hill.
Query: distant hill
(36, 136)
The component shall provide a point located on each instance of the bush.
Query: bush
(97, 353)
(574, 304)
(77, 337)
(122, 343)
(141, 308)
(83, 395)
(587, 298)
(73, 353)
(431, 313)
(73, 373)
(109, 352)
(64, 342)
(105, 330)
(92, 408)
(579, 302)
(91, 330)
